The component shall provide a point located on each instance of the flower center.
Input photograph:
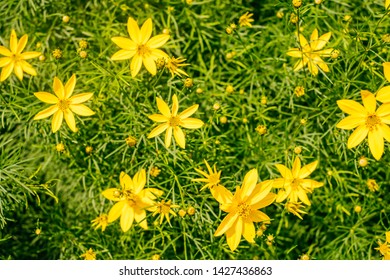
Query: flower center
(174, 121)
(372, 121)
(295, 184)
(164, 207)
(143, 50)
(214, 179)
(14, 57)
(130, 197)
(243, 210)
(63, 105)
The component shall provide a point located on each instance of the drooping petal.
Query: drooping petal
(58, 88)
(126, 182)
(127, 217)
(146, 31)
(46, 97)
(150, 64)
(4, 51)
(69, 86)
(135, 65)
(29, 55)
(124, 43)
(133, 29)
(139, 180)
(70, 121)
(81, 110)
(352, 107)
(157, 41)
(6, 71)
(369, 101)
(57, 120)
(27, 67)
(123, 54)
(383, 95)
(168, 137)
(18, 71)
(233, 235)
(226, 223)
(189, 111)
(376, 143)
(249, 183)
(307, 170)
(13, 42)
(22, 44)
(115, 211)
(249, 231)
(5, 61)
(158, 130)
(351, 122)
(284, 171)
(192, 123)
(46, 113)
(357, 136)
(80, 98)
(179, 137)
(158, 118)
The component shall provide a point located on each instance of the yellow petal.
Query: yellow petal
(249, 231)
(163, 107)
(126, 182)
(58, 88)
(268, 200)
(5, 61)
(307, 170)
(4, 51)
(150, 65)
(383, 95)
(29, 55)
(124, 43)
(322, 40)
(158, 118)
(258, 216)
(284, 171)
(80, 98)
(296, 167)
(6, 71)
(69, 118)
(318, 61)
(133, 29)
(81, 110)
(300, 64)
(233, 235)
(313, 38)
(116, 211)
(281, 196)
(192, 123)
(123, 54)
(295, 52)
(168, 137)
(313, 69)
(46, 97)
(140, 218)
(226, 224)
(57, 121)
(28, 68)
(189, 111)
(175, 105)
(385, 131)
(376, 144)
(387, 3)
(302, 41)
(352, 107)
(139, 180)
(179, 137)
(135, 65)
(351, 122)
(69, 86)
(261, 191)
(303, 197)
(249, 183)
(221, 194)
(369, 101)
(22, 44)
(127, 217)
(158, 130)
(157, 41)
(146, 31)
(13, 42)
(156, 54)
(357, 136)
(111, 194)
(18, 70)
(46, 113)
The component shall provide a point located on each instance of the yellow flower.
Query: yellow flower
(63, 104)
(212, 179)
(171, 121)
(90, 255)
(295, 208)
(140, 47)
(293, 185)
(383, 95)
(242, 209)
(101, 221)
(372, 185)
(387, 3)
(173, 64)
(14, 59)
(131, 200)
(164, 208)
(310, 53)
(368, 121)
(384, 248)
(246, 19)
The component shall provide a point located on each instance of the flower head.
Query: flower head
(171, 121)
(164, 208)
(131, 200)
(295, 208)
(64, 104)
(243, 209)
(368, 121)
(90, 255)
(211, 179)
(15, 60)
(384, 248)
(174, 64)
(293, 185)
(310, 53)
(246, 19)
(372, 185)
(140, 47)
(100, 222)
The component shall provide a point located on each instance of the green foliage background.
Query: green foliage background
(33, 174)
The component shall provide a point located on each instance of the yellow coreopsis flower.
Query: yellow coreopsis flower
(140, 47)
(14, 59)
(131, 201)
(387, 3)
(243, 209)
(171, 121)
(164, 208)
(64, 104)
(368, 121)
(384, 248)
(293, 185)
(310, 53)
(246, 19)
(89, 255)
(174, 64)
(100, 222)
(383, 94)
